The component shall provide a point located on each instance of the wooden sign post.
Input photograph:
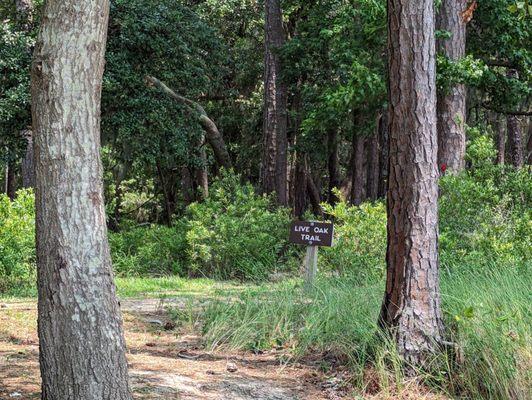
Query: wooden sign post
(311, 234)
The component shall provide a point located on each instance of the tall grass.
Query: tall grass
(487, 314)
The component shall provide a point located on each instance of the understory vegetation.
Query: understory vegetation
(237, 234)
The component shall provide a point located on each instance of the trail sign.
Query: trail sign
(311, 233)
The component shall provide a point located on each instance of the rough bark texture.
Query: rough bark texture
(314, 195)
(82, 349)
(28, 167)
(411, 308)
(515, 139)
(373, 166)
(359, 182)
(333, 165)
(274, 154)
(451, 109)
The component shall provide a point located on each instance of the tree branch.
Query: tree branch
(213, 135)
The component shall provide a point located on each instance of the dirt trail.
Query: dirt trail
(163, 364)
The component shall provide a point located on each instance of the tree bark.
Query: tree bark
(515, 140)
(529, 143)
(10, 181)
(501, 139)
(411, 308)
(27, 167)
(274, 154)
(314, 195)
(451, 105)
(212, 134)
(333, 165)
(82, 348)
(300, 185)
(359, 182)
(373, 166)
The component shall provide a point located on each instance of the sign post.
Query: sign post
(311, 234)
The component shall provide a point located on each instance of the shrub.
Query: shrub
(360, 240)
(17, 240)
(235, 233)
(153, 250)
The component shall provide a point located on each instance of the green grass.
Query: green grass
(487, 314)
(150, 287)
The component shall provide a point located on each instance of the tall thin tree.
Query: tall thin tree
(82, 349)
(451, 109)
(275, 145)
(411, 308)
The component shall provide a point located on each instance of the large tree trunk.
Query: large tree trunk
(451, 109)
(274, 153)
(515, 139)
(359, 174)
(333, 165)
(82, 349)
(411, 308)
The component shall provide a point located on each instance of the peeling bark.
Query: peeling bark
(82, 348)
(411, 310)
(451, 108)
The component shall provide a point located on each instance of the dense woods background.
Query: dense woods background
(223, 120)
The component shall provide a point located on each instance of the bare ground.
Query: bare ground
(174, 364)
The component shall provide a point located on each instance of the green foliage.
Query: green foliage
(15, 60)
(17, 241)
(149, 251)
(235, 233)
(360, 245)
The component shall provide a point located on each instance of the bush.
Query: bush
(154, 250)
(17, 241)
(235, 233)
(360, 240)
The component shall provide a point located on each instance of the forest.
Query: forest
(157, 158)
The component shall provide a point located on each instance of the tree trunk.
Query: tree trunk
(274, 153)
(314, 195)
(10, 180)
(373, 166)
(333, 165)
(501, 139)
(529, 143)
(411, 308)
(82, 349)
(202, 176)
(300, 185)
(384, 154)
(451, 109)
(27, 167)
(359, 182)
(515, 140)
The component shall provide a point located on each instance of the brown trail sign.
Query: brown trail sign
(312, 234)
